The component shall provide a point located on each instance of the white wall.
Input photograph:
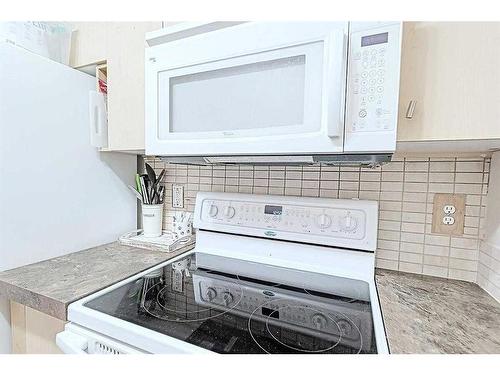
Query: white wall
(489, 255)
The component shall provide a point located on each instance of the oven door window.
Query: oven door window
(267, 93)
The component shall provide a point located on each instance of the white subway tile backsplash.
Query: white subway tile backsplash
(469, 178)
(387, 264)
(417, 166)
(442, 166)
(412, 247)
(436, 250)
(392, 176)
(434, 260)
(410, 267)
(470, 166)
(411, 257)
(414, 207)
(413, 217)
(404, 189)
(435, 271)
(468, 188)
(463, 264)
(462, 275)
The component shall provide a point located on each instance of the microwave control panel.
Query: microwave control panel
(373, 82)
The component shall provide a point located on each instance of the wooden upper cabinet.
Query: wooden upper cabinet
(452, 71)
(88, 43)
(121, 45)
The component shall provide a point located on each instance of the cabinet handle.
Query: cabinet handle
(411, 108)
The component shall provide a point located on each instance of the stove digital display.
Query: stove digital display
(273, 210)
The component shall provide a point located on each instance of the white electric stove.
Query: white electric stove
(269, 274)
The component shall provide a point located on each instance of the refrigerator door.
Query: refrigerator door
(58, 193)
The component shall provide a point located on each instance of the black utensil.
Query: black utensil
(151, 174)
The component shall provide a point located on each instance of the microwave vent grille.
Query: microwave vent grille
(363, 160)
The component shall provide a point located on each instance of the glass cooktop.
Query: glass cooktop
(231, 313)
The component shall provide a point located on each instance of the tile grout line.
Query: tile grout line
(480, 235)
(401, 213)
(426, 204)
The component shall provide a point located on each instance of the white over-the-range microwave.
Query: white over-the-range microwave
(273, 92)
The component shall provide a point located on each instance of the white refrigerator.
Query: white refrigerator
(58, 194)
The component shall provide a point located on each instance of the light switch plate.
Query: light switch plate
(441, 214)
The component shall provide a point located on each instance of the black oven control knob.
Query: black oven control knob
(227, 298)
(210, 294)
(319, 321)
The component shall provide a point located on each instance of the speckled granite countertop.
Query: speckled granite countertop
(424, 314)
(49, 286)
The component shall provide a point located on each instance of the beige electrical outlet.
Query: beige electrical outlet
(448, 214)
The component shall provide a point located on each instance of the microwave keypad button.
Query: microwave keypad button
(362, 113)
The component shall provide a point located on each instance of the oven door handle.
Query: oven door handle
(71, 343)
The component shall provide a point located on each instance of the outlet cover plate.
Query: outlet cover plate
(438, 214)
(177, 196)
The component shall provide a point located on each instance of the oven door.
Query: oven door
(252, 89)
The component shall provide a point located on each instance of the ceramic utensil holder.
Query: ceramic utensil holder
(152, 219)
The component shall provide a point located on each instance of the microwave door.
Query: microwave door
(275, 101)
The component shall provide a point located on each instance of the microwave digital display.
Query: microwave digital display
(273, 210)
(370, 40)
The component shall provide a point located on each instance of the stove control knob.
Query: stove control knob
(229, 212)
(319, 321)
(213, 210)
(228, 298)
(323, 221)
(345, 327)
(349, 223)
(211, 293)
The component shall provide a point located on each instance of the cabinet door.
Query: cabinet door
(34, 332)
(88, 43)
(451, 70)
(125, 61)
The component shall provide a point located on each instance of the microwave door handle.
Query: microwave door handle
(335, 108)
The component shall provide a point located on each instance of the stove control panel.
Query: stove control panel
(303, 219)
(297, 311)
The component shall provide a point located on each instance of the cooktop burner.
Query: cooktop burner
(229, 313)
